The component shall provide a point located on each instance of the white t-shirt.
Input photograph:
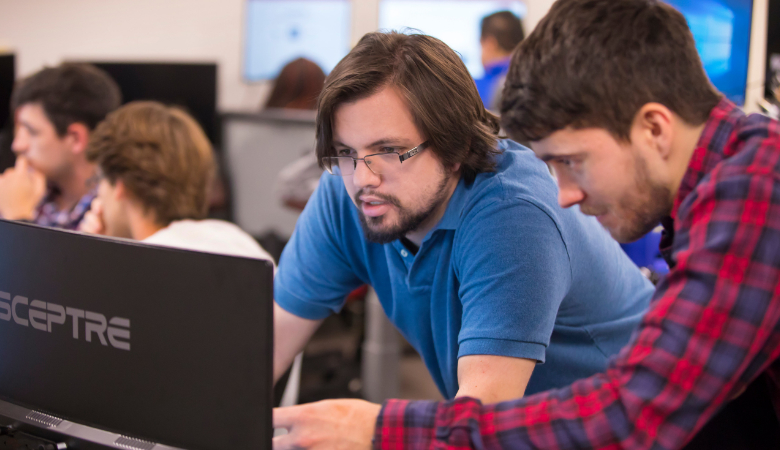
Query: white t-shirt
(211, 236)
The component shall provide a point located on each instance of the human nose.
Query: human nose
(364, 176)
(569, 193)
(21, 141)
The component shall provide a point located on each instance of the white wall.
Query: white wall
(45, 32)
(48, 31)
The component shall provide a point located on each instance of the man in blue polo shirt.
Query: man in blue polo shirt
(458, 232)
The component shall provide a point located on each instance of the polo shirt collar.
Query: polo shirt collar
(452, 215)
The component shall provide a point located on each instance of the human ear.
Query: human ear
(78, 134)
(653, 129)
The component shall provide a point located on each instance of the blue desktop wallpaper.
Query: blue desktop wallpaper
(721, 29)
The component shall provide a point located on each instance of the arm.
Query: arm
(291, 333)
(493, 378)
(703, 341)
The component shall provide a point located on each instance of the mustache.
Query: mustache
(387, 198)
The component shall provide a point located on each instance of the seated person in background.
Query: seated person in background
(56, 110)
(458, 231)
(155, 166)
(297, 87)
(501, 32)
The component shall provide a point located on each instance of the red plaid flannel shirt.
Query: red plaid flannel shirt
(712, 328)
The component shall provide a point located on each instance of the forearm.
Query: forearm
(291, 333)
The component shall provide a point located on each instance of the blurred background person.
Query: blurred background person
(500, 34)
(55, 111)
(298, 86)
(155, 166)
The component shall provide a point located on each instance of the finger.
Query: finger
(284, 442)
(97, 206)
(22, 165)
(286, 417)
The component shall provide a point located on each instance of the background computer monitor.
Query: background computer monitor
(456, 22)
(134, 342)
(279, 31)
(192, 86)
(7, 77)
(721, 29)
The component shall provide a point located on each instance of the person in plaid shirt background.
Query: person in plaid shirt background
(55, 111)
(613, 95)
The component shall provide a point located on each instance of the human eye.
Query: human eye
(344, 152)
(564, 162)
(389, 149)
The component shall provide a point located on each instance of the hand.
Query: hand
(329, 424)
(21, 190)
(93, 220)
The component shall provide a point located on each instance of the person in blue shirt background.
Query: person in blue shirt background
(500, 34)
(458, 231)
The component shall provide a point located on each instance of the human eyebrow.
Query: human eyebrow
(398, 142)
(548, 157)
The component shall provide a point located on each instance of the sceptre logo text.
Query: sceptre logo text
(87, 325)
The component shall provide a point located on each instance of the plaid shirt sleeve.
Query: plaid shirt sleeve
(712, 328)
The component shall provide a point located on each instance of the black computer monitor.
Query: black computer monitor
(7, 78)
(117, 344)
(192, 86)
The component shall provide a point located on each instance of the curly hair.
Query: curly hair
(162, 156)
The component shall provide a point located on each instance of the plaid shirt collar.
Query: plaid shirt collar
(49, 216)
(711, 149)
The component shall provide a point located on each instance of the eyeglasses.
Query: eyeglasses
(378, 163)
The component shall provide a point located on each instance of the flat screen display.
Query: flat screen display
(279, 31)
(721, 29)
(456, 22)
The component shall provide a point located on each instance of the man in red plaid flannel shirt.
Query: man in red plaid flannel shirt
(613, 95)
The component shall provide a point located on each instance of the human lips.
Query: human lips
(373, 206)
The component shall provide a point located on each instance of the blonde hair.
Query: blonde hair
(162, 156)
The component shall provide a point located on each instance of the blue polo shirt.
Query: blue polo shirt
(505, 272)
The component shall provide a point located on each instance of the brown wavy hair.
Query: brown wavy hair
(434, 83)
(162, 156)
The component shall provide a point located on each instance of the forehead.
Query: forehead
(33, 114)
(383, 115)
(570, 141)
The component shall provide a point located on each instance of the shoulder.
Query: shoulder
(519, 179)
(213, 236)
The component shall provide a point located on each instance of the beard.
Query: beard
(639, 210)
(408, 220)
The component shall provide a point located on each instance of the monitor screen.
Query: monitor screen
(279, 31)
(7, 77)
(134, 342)
(192, 86)
(456, 22)
(721, 29)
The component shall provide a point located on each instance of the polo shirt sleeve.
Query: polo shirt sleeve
(315, 275)
(514, 271)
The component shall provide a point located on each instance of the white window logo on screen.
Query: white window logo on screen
(43, 316)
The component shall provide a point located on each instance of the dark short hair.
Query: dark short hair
(595, 63)
(434, 83)
(162, 156)
(69, 93)
(505, 27)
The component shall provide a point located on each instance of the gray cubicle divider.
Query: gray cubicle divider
(256, 147)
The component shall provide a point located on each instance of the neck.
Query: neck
(687, 139)
(419, 233)
(142, 223)
(74, 185)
